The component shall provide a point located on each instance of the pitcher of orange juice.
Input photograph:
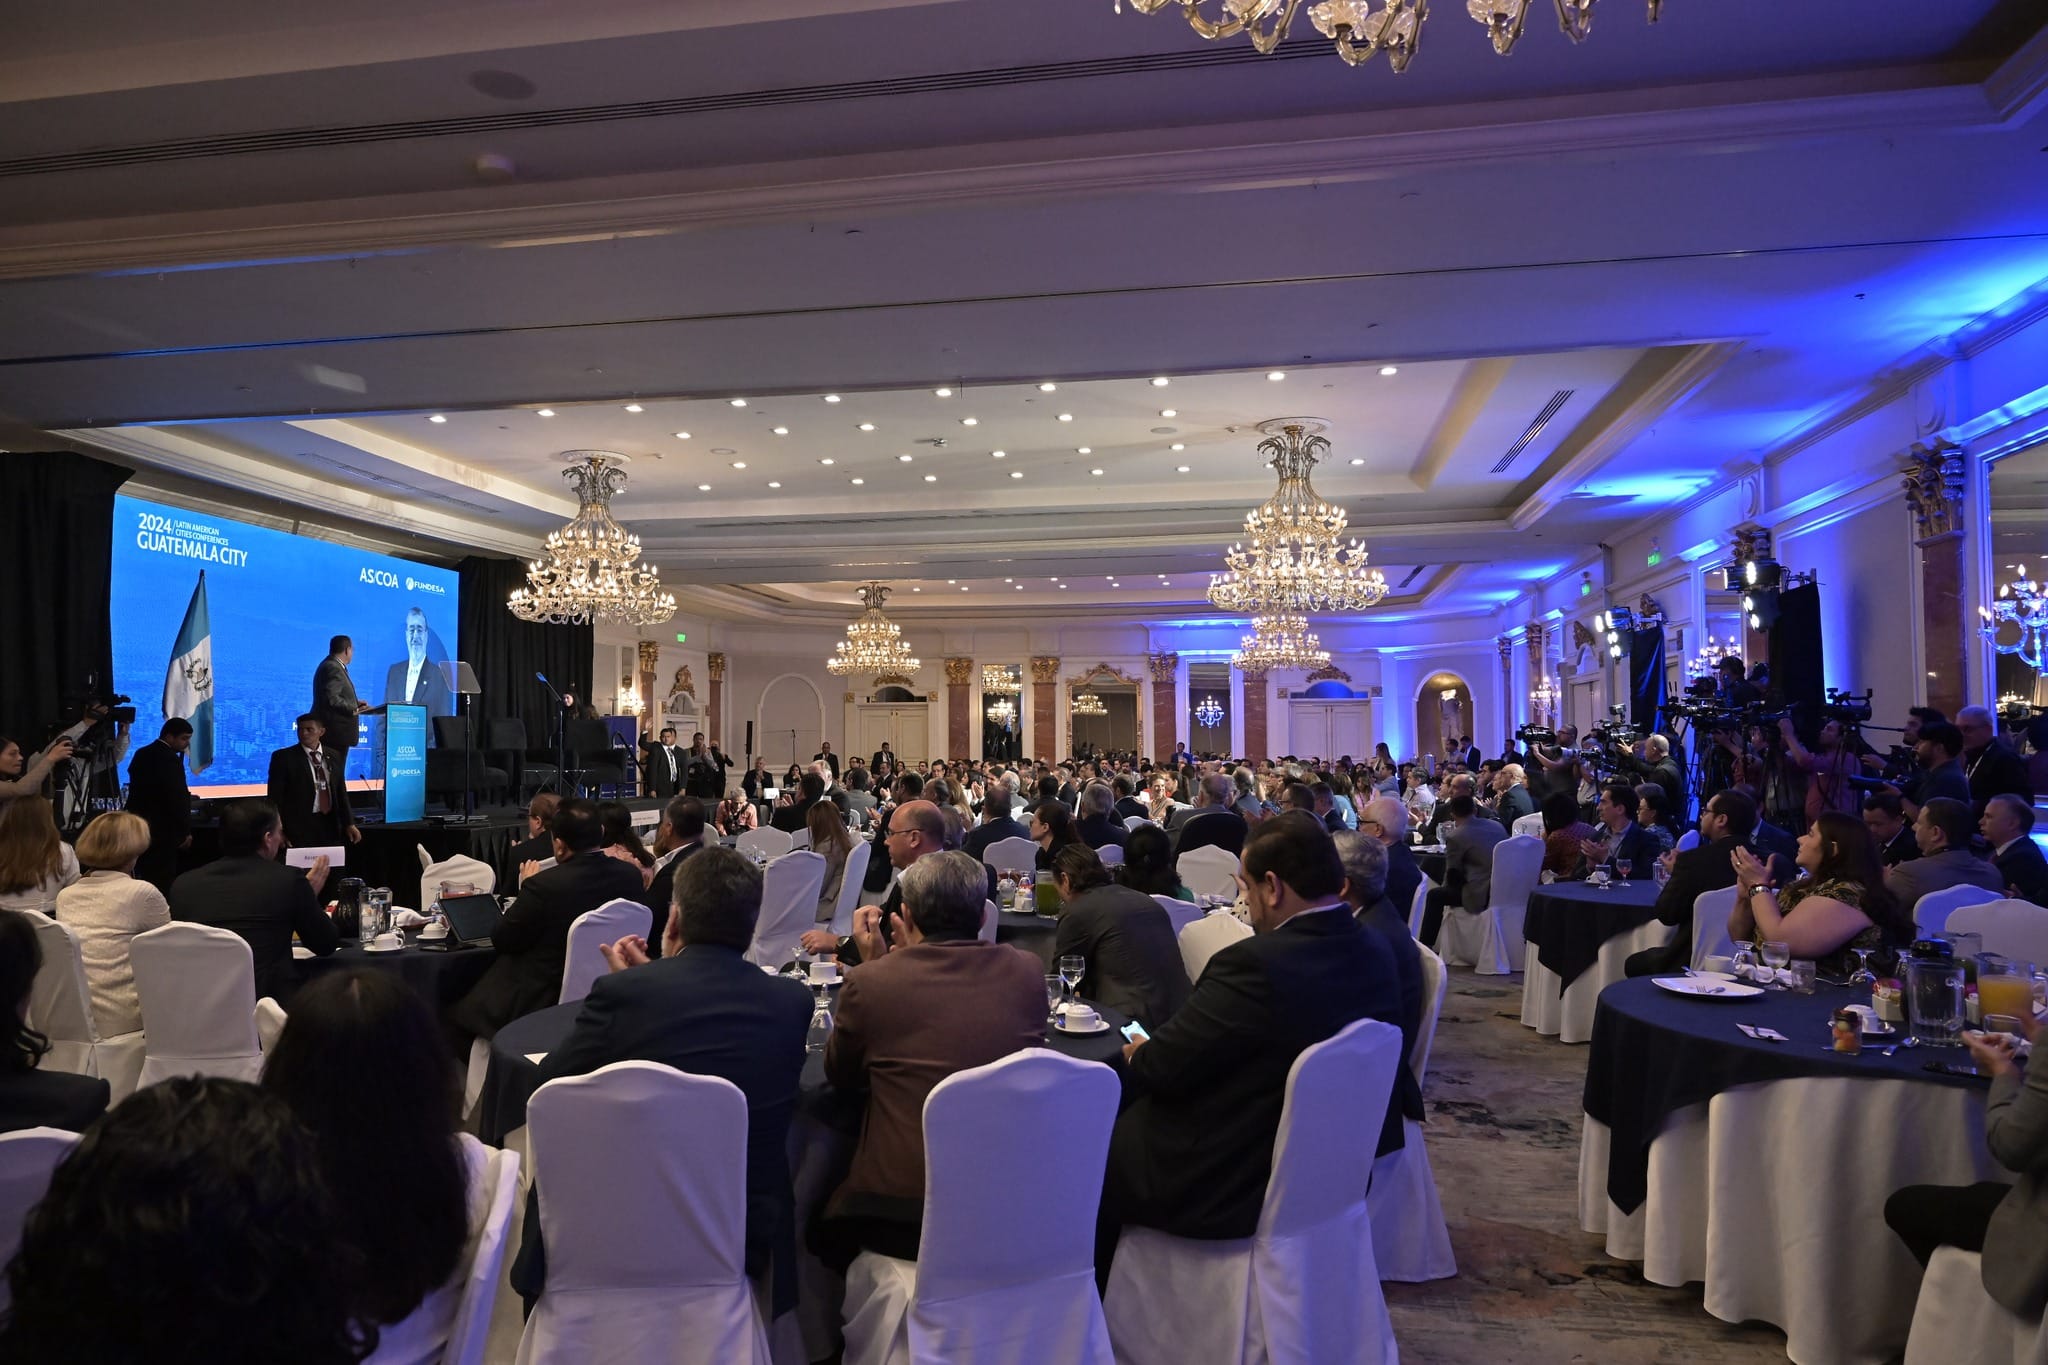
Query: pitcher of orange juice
(2008, 987)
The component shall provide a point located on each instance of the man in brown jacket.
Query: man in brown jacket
(939, 1001)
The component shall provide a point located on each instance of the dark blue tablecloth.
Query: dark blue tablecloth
(1654, 1053)
(1034, 933)
(1568, 921)
(442, 978)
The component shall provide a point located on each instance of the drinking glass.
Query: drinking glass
(1863, 976)
(1072, 968)
(1777, 956)
(1743, 962)
(820, 1031)
(1803, 974)
(1622, 866)
(1055, 989)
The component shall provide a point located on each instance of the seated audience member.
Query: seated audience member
(2008, 826)
(361, 1066)
(1160, 806)
(204, 1201)
(1125, 785)
(938, 1001)
(1210, 822)
(1365, 882)
(532, 938)
(1619, 838)
(1726, 822)
(621, 840)
(2007, 1223)
(35, 863)
(860, 801)
(1841, 904)
(1457, 784)
(1565, 836)
(1098, 826)
(679, 836)
(1052, 829)
(790, 818)
(539, 845)
(1989, 762)
(1650, 817)
(1193, 1148)
(703, 1008)
(831, 841)
(996, 821)
(106, 909)
(1385, 818)
(1884, 816)
(1944, 831)
(1512, 796)
(736, 814)
(1940, 751)
(1148, 865)
(31, 1098)
(1469, 840)
(1134, 963)
(248, 892)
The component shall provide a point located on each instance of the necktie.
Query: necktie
(671, 762)
(320, 799)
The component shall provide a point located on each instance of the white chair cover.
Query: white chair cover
(1418, 905)
(768, 842)
(642, 1271)
(1531, 824)
(198, 989)
(1006, 1268)
(1111, 854)
(1181, 913)
(1410, 1240)
(1304, 1289)
(850, 885)
(799, 838)
(2010, 928)
(456, 869)
(1207, 937)
(60, 1007)
(582, 963)
(1133, 821)
(1491, 941)
(1956, 1323)
(1710, 912)
(28, 1156)
(1688, 841)
(789, 906)
(990, 919)
(1208, 871)
(1012, 854)
(1931, 911)
(467, 1338)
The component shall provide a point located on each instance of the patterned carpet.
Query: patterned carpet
(1504, 1139)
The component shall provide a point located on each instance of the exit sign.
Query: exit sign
(681, 638)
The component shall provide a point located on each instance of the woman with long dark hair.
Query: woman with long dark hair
(362, 1065)
(622, 841)
(1839, 905)
(30, 1098)
(1148, 864)
(1052, 829)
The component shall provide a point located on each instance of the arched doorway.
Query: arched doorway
(1443, 712)
(789, 721)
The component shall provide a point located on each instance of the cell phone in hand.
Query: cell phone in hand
(1134, 1031)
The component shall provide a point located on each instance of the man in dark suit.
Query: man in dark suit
(997, 822)
(1097, 826)
(883, 754)
(1621, 838)
(2008, 825)
(1210, 822)
(158, 793)
(1193, 1148)
(533, 937)
(1884, 815)
(704, 770)
(247, 891)
(680, 837)
(1658, 765)
(1991, 766)
(1127, 803)
(311, 796)
(1469, 839)
(1365, 881)
(1386, 819)
(1939, 750)
(663, 764)
(704, 1009)
(1726, 823)
(417, 680)
(1512, 799)
(334, 699)
(827, 757)
(791, 818)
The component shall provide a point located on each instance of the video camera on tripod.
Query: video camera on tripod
(1536, 734)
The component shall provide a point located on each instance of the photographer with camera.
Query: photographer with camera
(19, 777)
(1657, 764)
(1736, 692)
(1829, 768)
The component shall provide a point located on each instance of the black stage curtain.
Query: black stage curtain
(1645, 677)
(507, 652)
(54, 614)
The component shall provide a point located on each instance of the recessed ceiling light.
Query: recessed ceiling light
(682, 436)
(867, 426)
(917, 589)
(545, 412)
(1063, 587)
(970, 421)
(826, 460)
(1276, 375)
(931, 478)
(739, 464)
(1178, 445)
(737, 402)
(1020, 587)
(1182, 470)
(1016, 473)
(1169, 412)
(1009, 580)
(781, 431)
(1096, 472)
(1389, 371)
(1357, 460)
(1161, 382)
(906, 459)
(1084, 450)
(998, 454)
(963, 590)
(857, 481)
(1109, 578)
(1066, 417)
(634, 407)
(703, 488)
(773, 484)
(831, 398)
(437, 417)
(1047, 388)
(943, 393)
(951, 581)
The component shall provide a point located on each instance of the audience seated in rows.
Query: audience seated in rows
(1125, 937)
(679, 836)
(1884, 815)
(1469, 839)
(1726, 822)
(1944, 830)
(1098, 824)
(35, 863)
(31, 1097)
(1841, 904)
(250, 893)
(997, 821)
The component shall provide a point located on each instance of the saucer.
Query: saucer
(1101, 1026)
(394, 948)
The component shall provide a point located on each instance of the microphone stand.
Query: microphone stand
(561, 735)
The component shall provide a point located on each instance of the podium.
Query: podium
(405, 762)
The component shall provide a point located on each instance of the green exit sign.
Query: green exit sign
(681, 638)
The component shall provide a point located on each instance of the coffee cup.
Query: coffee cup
(386, 941)
(1719, 963)
(1081, 1017)
(434, 929)
(824, 973)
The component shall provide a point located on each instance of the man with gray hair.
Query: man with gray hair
(1992, 767)
(1210, 821)
(1386, 819)
(925, 1002)
(1098, 826)
(1365, 882)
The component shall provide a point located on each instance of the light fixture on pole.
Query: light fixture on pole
(873, 643)
(590, 570)
(1294, 559)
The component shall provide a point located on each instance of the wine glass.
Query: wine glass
(1073, 967)
(1777, 955)
(820, 1030)
(1622, 867)
(1863, 976)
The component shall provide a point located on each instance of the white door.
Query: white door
(901, 723)
(1350, 729)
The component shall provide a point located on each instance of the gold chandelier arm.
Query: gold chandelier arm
(1275, 33)
(1208, 28)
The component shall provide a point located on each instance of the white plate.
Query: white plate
(1101, 1026)
(373, 948)
(1706, 989)
(1713, 976)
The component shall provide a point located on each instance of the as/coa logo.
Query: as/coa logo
(383, 578)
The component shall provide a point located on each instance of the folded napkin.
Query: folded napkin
(406, 919)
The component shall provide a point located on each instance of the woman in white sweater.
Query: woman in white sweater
(106, 909)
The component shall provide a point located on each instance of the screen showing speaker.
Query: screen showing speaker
(224, 622)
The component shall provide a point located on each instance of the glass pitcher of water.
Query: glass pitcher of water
(1934, 993)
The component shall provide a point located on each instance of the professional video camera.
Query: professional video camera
(2014, 713)
(1536, 734)
(1849, 708)
(104, 709)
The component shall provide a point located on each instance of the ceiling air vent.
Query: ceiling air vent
(1522, 443)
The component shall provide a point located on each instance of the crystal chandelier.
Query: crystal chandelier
(589, 570)
(1088, 704)
(1002, 711)
(1293, 558)
(871, 644)
(1279, 642)
(1209, 713)
(1543, 696)
(1708, 661)
(2017, 622)
(1359, 32)
(1002, 680)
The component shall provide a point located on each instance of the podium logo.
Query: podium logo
(383, 578)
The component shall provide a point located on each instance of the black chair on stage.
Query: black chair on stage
(452, 766)
(505, 743)
(594, 761)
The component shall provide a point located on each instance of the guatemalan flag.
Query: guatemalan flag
(188, 682)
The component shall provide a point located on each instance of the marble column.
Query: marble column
(1934, 490)
(959, 701)
(1163, 668)
(1254, 717)
(1535, 638)
(1506, 645)
(714, 710)
(1045, 691)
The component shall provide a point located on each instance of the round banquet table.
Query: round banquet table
(1577, 943)
(1761, 1169)
(1431, 861)
(1031, 932)
(441, 977)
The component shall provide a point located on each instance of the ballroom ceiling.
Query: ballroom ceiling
(260, 250)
